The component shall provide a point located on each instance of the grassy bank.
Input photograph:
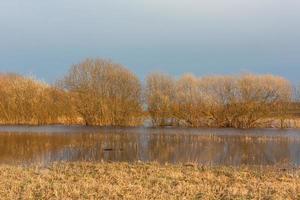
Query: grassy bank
(147, 181)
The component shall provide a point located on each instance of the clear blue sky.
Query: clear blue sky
(44, 38)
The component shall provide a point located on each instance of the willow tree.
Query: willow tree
(24, 100)
(189, 101)
(248, 100)
(160, 94)
(243, 101)
(261, 97)
(104, 93)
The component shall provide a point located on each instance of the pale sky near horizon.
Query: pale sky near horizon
(43, 38)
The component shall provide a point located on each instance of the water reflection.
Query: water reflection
(43, 145)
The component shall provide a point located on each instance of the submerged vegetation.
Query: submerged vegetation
(147, 181)
(101, 92)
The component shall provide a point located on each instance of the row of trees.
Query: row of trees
(28, 101)
(100, 92)
(244, 101)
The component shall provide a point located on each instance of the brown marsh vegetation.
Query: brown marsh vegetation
(147, 181)
(101, 92)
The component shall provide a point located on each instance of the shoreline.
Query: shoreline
(122, 180)
(296, 126)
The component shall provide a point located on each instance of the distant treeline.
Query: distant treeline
(101, 92)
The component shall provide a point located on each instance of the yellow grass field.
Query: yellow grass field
(147, 181)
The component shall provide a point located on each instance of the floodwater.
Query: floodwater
(43, 145)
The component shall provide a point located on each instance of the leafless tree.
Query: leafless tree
(160, 93)
(104, 93)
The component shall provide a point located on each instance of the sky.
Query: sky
(203, 37)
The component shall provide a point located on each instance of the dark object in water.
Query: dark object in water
(110, 149)
(107, 149)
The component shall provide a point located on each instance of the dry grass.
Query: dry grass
(147, 181)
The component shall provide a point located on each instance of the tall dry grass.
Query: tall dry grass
(147, 181)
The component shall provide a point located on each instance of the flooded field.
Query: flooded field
(47, 144)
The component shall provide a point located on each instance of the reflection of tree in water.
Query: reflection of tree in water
(233, 150)
(182, 148)
(29, 147)
(150, 145)
(41, 148)
(255, 151)
(112, 147)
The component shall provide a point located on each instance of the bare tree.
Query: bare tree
(189, 101)
(100, 92)
(104, 93)
(244, 101)
(160, 93)
(24, 100)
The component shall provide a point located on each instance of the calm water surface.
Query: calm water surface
(47, 144)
